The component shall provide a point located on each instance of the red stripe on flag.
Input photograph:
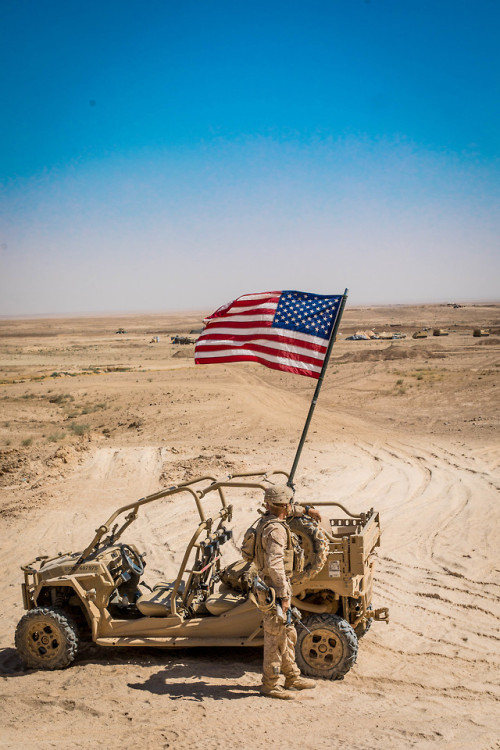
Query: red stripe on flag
(272, 298)
(242, 302)
(253, 311)
(228, 323)
(250, 358)
(273, 351)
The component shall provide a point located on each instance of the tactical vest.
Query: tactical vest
(253, 550)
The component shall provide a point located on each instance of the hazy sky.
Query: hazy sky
(163, 155)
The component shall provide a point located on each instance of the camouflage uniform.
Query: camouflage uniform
(279, 639)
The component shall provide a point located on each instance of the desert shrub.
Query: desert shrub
(62, 398)
(79, 429)
(27, 442)
(56, 436)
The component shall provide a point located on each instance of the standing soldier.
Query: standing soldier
(274, 559)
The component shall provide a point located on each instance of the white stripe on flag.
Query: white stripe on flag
(238, 330)
(223, 343)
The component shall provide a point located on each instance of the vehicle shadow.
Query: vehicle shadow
(188, 662)
(178, 664)
(10, 663)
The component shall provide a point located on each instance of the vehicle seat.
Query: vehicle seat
(223, 601)
(156, 603)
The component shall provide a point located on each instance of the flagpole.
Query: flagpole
(317, 390)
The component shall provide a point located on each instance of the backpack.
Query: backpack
(248, 547)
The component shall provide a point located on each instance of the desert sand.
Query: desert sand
(91, 420)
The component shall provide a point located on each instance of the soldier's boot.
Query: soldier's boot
(299, 683)
(276, 691)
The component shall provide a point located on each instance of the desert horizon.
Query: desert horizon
(201, 312)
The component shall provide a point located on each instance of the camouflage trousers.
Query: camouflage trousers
(279, 651)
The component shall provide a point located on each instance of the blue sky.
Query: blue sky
(174, 155)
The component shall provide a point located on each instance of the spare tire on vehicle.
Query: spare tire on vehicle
(314, 543)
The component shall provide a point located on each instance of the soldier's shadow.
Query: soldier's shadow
(186, 677)
(164, 683)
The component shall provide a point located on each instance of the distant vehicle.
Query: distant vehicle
(419, 335)
(480, 332)
(182, 340)
(439, 332)
(386, 336)
(121, 330)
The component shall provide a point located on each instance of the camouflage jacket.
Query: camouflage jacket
(274, 543)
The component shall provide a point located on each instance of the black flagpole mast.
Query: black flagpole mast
(318, 388)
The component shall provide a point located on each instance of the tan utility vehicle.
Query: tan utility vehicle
(96, 594)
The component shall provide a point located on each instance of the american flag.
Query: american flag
(285, 330)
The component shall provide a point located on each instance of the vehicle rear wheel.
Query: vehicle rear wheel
(329, 650)
(314, 543)
(47, 638)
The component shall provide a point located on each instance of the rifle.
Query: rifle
(292, 615)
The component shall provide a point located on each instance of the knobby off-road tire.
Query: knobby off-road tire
(314, 543)
(47, 638)
(330, 650)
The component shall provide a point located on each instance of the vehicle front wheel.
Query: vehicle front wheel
(47, 638)
(329, 650)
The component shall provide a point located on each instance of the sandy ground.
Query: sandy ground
(91, 420)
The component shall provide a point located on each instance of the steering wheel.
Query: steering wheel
(132, 559)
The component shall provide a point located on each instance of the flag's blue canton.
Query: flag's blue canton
(307, 313)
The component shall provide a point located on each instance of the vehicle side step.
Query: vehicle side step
(179, 642)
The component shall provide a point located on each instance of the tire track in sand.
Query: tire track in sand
(437, 565)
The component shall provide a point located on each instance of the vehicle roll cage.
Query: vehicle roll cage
(231, 480)
(206, 558)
